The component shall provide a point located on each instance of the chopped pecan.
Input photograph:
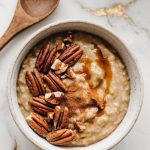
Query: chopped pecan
(54, 82)
(61, 137)
(50, 116)
(38, 124)
(35, 83)
(54, 98)
(59, 67)
(61, 117)
(70, 73)
(69, 38)
(79, 126)
(58, 95)
(60, 45)
(40, 105)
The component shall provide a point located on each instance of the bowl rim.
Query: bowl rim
(42, 29)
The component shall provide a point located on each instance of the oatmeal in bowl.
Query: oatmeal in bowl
(73, 89)
(74, 85)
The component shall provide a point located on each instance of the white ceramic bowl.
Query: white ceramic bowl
(132, 68)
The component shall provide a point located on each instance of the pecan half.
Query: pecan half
(49, 60)
(61, 137)
(40, 111)
(38, 124)
(61, 117)
(71, 55)
(69, 51)
(35, 83)
(42, 55)
(40, 120)
(45, 58)
(54, 82)
(74, 58)
(39, 105)
(54, 98)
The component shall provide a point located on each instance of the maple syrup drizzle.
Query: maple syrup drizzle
(105, 65)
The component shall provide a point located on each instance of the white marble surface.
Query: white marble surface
(131, 24)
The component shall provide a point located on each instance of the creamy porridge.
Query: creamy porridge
(96, 92)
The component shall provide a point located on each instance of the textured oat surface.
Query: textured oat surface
(93, 77)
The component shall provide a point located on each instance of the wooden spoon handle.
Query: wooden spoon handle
(18, 23)
(13, 29)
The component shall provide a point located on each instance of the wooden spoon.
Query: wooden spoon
(28, 12)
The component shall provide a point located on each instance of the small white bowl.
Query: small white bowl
(132, 68)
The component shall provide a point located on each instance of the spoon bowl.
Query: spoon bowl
(28, 12)
(38, 8)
